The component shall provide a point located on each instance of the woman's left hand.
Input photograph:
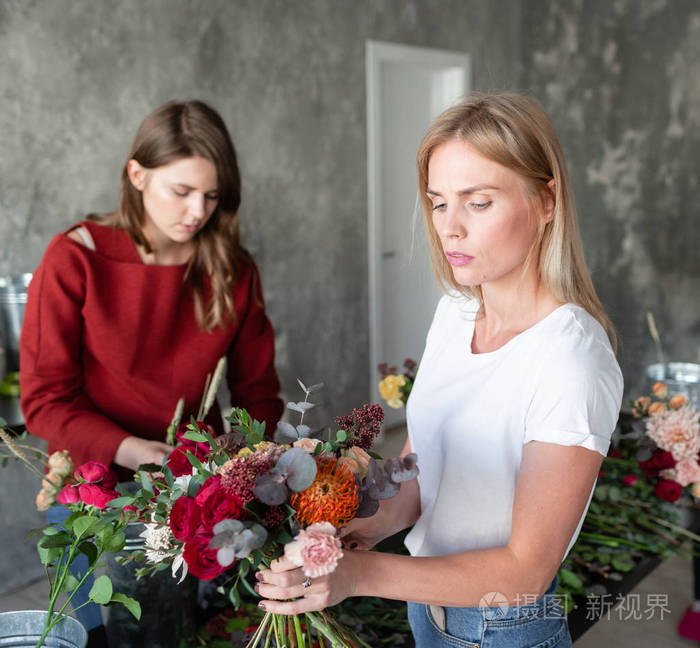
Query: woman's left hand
(286, 581)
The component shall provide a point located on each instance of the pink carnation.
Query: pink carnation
(677, 431)
(315, 549)
(686, 472)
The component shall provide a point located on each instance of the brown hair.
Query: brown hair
(514, 131)
(177, 130)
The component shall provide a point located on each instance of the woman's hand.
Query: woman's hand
(133, 451)
(286, 581)
(364, 533)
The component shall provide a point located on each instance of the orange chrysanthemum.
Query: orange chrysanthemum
(333, 497)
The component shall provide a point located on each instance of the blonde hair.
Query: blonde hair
(514, 131)
(177, 130)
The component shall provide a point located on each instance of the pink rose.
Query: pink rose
(45, 499)
(316, 549)
(96, 495)
(94, 472)
(68, 495)
(306, 444)
(59, 462)
(687, 472)
(629, 480)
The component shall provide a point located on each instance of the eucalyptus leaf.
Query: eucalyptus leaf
(315, 388)
(287, 430)
(270, 488)
(402, 469)
(304, 431)
(299, 467)
(302, 385)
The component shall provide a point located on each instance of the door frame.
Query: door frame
(455, 68)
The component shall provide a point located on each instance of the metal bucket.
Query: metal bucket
(13, 298)
(680, 378)
(24, 628)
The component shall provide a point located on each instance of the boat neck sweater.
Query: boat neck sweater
(109, 344)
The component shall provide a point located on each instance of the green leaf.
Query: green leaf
(70, 583)
(83, 524)
(195, 436)
(47, 556)
(194, 485)
(567, 577)
(243, 568)
(248, 587)
(101, 591)
(89, 550)
(341, 435)
(234, 597)
(615, 494)
(622, 563)
(115, 543)
(57, 541)
(121, 502)
(283, 537)
(168, 474)
(130, 604)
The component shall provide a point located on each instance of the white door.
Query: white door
(407, 87)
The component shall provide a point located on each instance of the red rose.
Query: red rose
(216, 503)
(202, 446)
(649, 468)
(663, 460)
(668, 490)
(629, 480)
(184, 518)
(96, 495)
(178, 462)
(200, 558)
(614, 453)
(96, 473)
(68, 495)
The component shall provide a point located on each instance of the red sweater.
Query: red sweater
(109, 345)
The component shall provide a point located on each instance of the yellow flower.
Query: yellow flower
(244, 452)
(390, 389)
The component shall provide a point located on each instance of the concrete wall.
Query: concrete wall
(621, 80)
(78, 76)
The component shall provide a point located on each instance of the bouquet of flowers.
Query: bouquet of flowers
(93, 528)
(669, 443)
(224, 506)
(394, 387)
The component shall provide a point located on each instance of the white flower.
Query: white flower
(157, 542)
(177, 563)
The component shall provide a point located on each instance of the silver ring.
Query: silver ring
(306, 583)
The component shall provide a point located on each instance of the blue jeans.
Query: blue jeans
(538, 624)
(91, 614)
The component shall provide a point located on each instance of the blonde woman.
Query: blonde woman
(513, 408)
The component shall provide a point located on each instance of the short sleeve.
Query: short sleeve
(577, 394)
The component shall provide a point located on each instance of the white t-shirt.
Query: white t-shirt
(469, 416)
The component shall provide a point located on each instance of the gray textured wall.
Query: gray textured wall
(621, 80)
(78, 76)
